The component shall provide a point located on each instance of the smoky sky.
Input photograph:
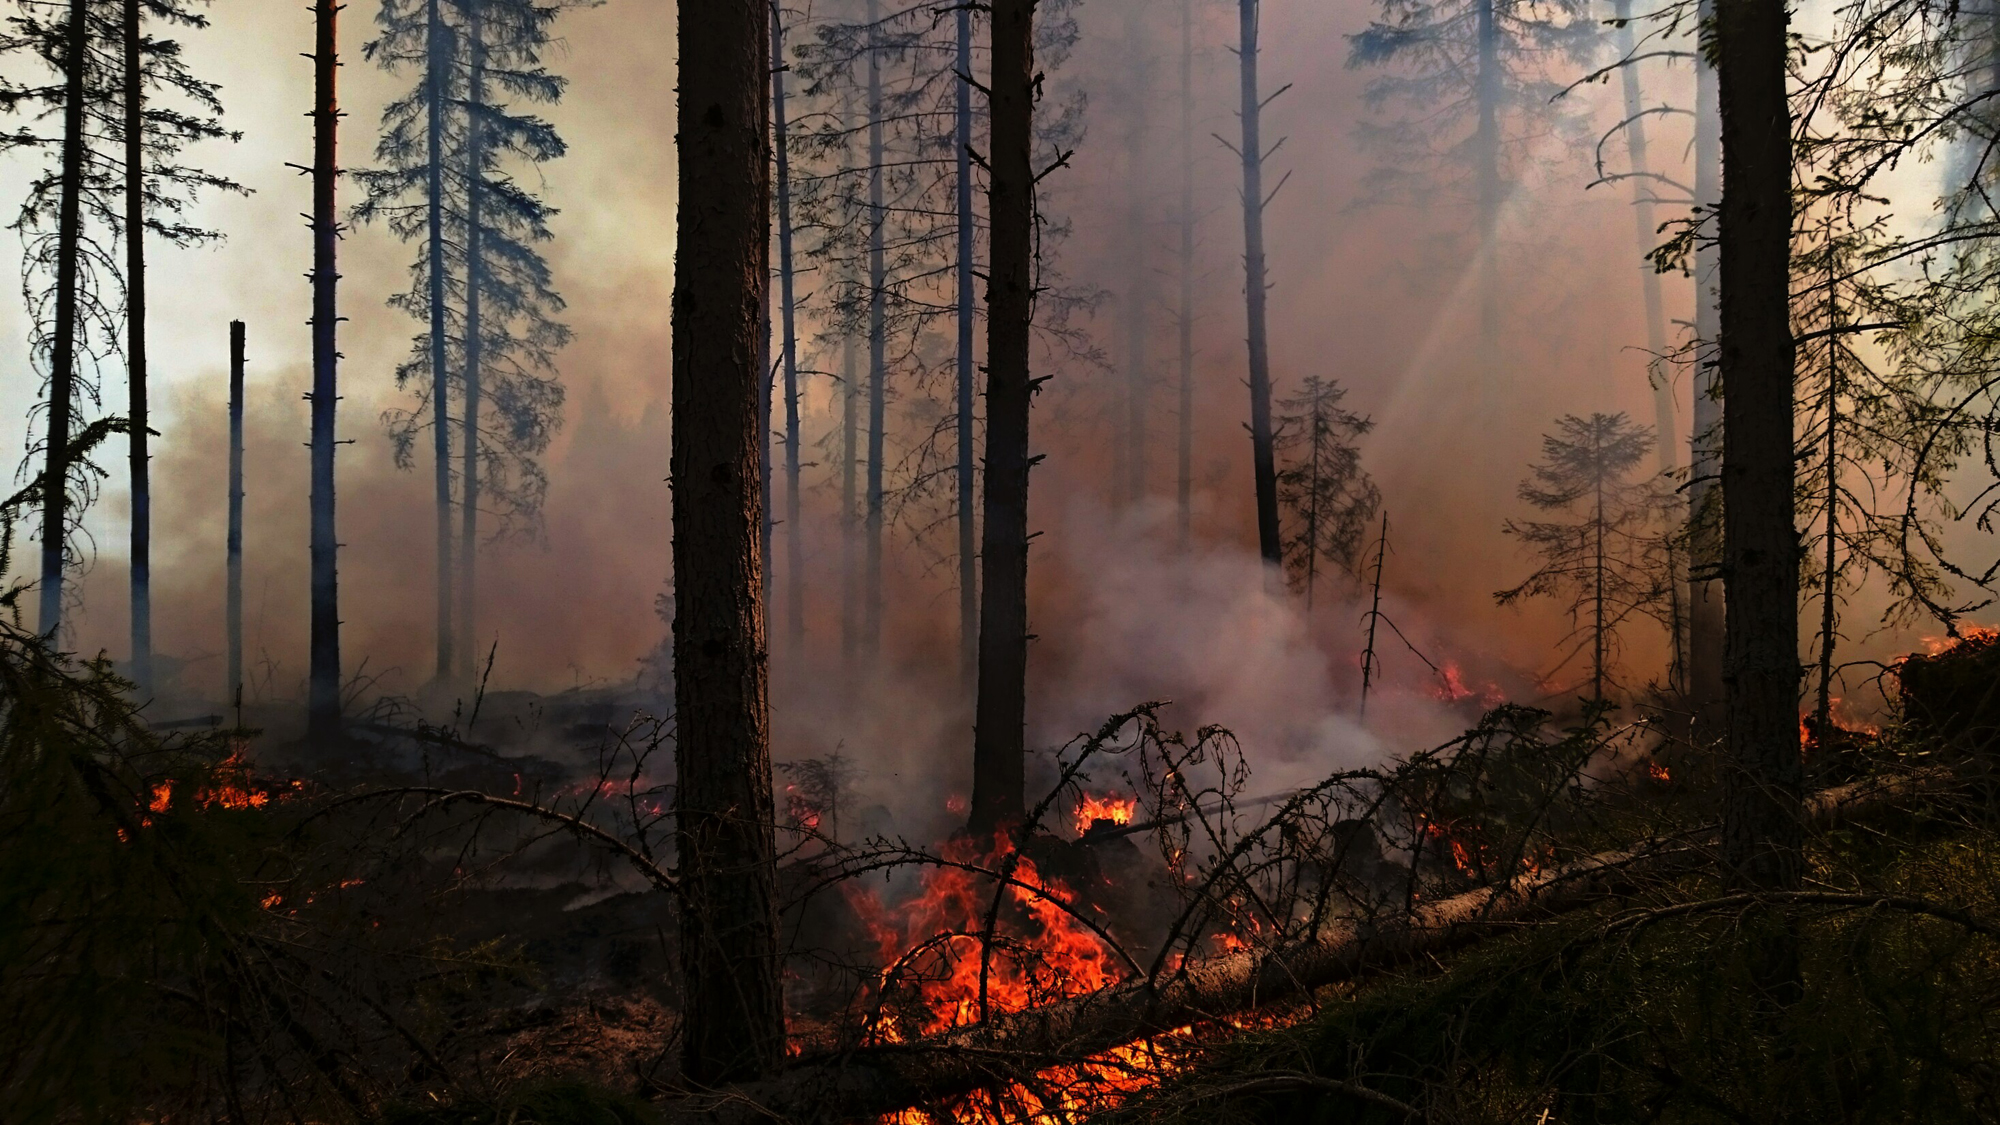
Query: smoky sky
(1379, 293)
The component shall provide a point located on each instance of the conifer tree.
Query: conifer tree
(1321, 485)
(1606, 559)
(480, 284)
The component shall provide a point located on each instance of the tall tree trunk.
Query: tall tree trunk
(233, 605)
(968, 374)
(1263, 458)
(767, 374)
(795, 557)
(62, 359)
(1184, 492)
(1705, 587)
(1665, 429)
(850, 501)
(1000, 716)
(435, 62)
(1830, 467)
(1138, 278)
(1597, 593)
(871, 615)
(1644, 225)
(135, 353)
(734, 1013)
(475, 279)
(1761, 828)
(323, 702)
(1486, 145)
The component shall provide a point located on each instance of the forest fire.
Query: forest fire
(940, 971)
(1115, 810)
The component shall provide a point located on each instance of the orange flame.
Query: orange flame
(1090, 810)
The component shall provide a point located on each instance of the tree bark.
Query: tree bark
(795, 564)
(62, 359)
(233, 607)
(475, 270)
(135, 353)
(435, 61)
(1184, 482)
(1761, 828)
(968, 375)
(734, 1014)
(1000, 713)
(1263, 458)
(1705, 587)
(878, 375)
(323, 702)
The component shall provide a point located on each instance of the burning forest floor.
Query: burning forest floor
(1524, 924)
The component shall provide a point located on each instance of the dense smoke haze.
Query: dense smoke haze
(1372, 287)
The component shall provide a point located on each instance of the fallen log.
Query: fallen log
(873, 1081)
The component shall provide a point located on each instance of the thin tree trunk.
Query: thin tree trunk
(871, 616)
(1138, 280)
(1761, 829)
(1185, 476)
(1705, 588)
(1486, 146)
(1369, 665)
(323, 702)
(435, 62)
(1823, 712)
(1597, 597)
(850, 500)
(795, 564)
(1263, 457)
(62, 360)
(135, 354)
(767, 375)
(968, 375)
(233, 605)
(475, 272)
(1000, 718)
(1666, 431)
(1648, 232)
(733, 1004)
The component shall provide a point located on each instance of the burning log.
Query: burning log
(883, 1079)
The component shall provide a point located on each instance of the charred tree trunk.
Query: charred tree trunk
(233, 606)
(1184, 481)
(135, 353)
(968, 375)
(1761, 817)
(1705, 587)
(1263, 457)
(62, 358)
(871, 609)
(323, 702)
(734, 1015)
(434, 97)
(1000, 718)
(795, 558)
(475, 278)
